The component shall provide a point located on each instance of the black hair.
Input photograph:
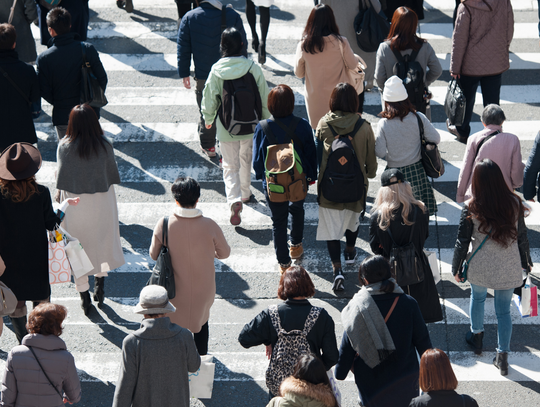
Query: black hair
(8, 36)
(59, 20)
(231, 43)
(375, 269)
(186, 191)
(310, 368)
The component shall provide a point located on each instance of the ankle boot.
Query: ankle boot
(262, 53)
(99, 290)
(501, 362)
(475, 341)
(339, 279)
(86, 302)
(19, 327)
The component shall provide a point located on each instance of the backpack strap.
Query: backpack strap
(223, 17)
(290, 130)
(397, 54)
(357, 126)
(420, 128)
(391, 309)
(274, 316)
(414, 54)
(311, 319)
(267, 132)
(483, 141)
(412, 229)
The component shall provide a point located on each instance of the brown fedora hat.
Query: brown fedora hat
(19, 161)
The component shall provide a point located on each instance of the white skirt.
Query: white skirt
(334, 222)
(263, 3)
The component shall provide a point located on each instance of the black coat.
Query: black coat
(416, 5)
(80, 15)
(59, 73)
(394, 382)
(23, 244)
(15, 112)
(293, 314)
(425, 292)
(443, 398)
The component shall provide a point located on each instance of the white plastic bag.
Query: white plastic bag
(201, 382)
(78, 259)
(333, 384)
(433, 264)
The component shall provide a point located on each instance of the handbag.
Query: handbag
(8, 301)
(163, 273)
(433, 264)
(371, 28)
(201, 383)
(527, 301)
(462, 273)
(430, 155)
(91, 91)
(45, 373)
(454, 103)
(59, 268)
(355, 76)
(78, 259)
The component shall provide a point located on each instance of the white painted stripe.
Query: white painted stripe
(281, 4)
(439, 31)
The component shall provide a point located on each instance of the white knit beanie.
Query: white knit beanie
(394, 90)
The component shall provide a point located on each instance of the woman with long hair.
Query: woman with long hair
(392, 220)
(493, 219)
(87, 168)
(259, 43)
(384, 330)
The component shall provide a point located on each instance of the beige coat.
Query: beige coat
(323, 71)
(194, 242)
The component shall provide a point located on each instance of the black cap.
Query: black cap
(389, 174)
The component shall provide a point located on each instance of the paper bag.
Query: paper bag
(80, 263)
(201, 382)
(527, 302)
(433, 264)
(59, 268)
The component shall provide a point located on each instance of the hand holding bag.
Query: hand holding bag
(454, 103)
(163, 273)
(59, 268)
(355, 75)
(201, 383)
(430, 155)
(91, 91)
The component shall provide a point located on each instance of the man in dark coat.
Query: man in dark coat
(200, 35)
(17, 92)
(59, 68)
(80, 15)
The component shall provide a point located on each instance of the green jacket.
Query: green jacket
(364, 146)
(227, 69)
(299, 393)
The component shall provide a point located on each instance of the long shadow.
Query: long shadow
(261, 237)
(231, 287)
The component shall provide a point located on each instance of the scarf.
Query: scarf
(365, 326)
(216, 3)
(187, 212)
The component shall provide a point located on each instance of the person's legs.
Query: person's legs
(334, 249)
(476, 308)
(280, 215)
(265, 23)
(503, 299)
(207, 137)
(296, 209)
(350, 249)
(230, 151)
(491, 89)
(246, 154)
(469, 85)
(18, 320)
(201, 340)
(252, 20)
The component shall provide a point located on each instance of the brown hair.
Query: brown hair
(281, 101)
(84, 127)
(397, 109)
(8, 36)
(18, 190)
(344, 98)
(295, 282)
(46, 319)
(436, 371)
(402, 33)
(321, 23)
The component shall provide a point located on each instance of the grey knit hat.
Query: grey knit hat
(154, 300)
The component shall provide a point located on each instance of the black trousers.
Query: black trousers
(201, 340)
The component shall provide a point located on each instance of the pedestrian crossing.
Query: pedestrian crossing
(153, 122)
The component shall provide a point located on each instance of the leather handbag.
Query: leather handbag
(355, 75)
(430, 155)
(91, 91)
(163, 273)
(454, 103)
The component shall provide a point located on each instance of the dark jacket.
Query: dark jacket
(59, 73)
(200, 35)
(394, 382)
(416, 5)
(306, 154)
(24, 225)
(80, 15)
(443, 398)
(293, 314)
(25, 13)
(532, 168)
(15, 112)
(425, 292)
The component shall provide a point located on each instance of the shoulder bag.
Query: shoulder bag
(45, 373)
(91, 91)
(355, 75)
(483, 141)
(371, 28)
(462, 273)
(430, 155)
(8, 301)
(163, 273)
(454, 103)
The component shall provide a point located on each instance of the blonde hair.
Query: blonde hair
(390, 198)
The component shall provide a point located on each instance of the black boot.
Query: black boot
(19, 327)
(475, 341)
(262, 53)
(86, 302)
(339, 278)
(501, 363)
(255, 44)
(99, 290)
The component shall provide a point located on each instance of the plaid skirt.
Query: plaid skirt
(422, 190)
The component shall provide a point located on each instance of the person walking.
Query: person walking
(194, 241)
(199, 37)
(338, 218)
(481, 41)
(392, 222)
(281, 106)
(532, 169)
(236, 150)
(87, 169)
(24, 14)
(80, 17)
(259, 43)
(156, 358)
(493, 220)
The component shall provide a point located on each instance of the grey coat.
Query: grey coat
(156, 360)
(25, 13)
(25, 385)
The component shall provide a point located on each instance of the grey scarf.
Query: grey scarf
(365, 325)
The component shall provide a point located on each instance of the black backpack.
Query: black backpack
(412, 74)
(343, 180)
(371, 28)
(241, 106)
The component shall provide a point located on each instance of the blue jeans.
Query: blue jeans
(503, 299)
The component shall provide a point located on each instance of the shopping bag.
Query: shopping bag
(59, 268)
(527, 302)
(433, 265)
(333, 384)
(78, 259)
(201, 382)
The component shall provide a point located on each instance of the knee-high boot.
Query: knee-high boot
(99, 290)
(19, 327)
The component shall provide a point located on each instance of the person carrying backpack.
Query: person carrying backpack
(292, 329)
(237, 92)
(347, 163)
(284, 128)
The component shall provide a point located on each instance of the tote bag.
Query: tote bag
(527, 302)
(59, 268)
(356, 75)
(201, 383)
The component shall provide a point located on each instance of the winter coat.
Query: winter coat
(200, 34)
(493, 266)
(364, 146)
(443, 398)
(323, 71)
(25, 385)
(504, 149)
(394, 382)
(425, 292)
(293, 314)
(59, 73)
(25, 13)
(532, 168)
(156, 360)
(299, 393)
(80, 16)
(27, 276)
(306, 154)
(416, 5)
(194, 242)
(15, 112)
(227, 69)
(482, 35)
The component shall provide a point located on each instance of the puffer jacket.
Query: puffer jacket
(482, 36)
(299, 393)
(25, 385)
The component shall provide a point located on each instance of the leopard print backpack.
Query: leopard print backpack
(289, 347)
